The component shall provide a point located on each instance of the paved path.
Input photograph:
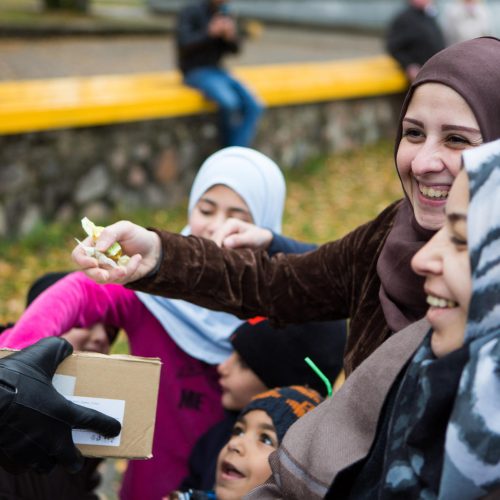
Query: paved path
(91, 55)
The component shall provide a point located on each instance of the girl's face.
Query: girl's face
(437, 127)
(243, 463)
(93, 339)
(444, 261)
(214, 207)
(238, 382)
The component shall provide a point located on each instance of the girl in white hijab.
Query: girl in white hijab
(202, 333)
(190, 340)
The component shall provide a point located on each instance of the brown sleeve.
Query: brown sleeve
(318, 285)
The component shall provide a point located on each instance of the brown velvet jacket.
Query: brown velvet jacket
(338, 280)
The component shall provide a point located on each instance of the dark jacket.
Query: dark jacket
(203, 459)
(59, 484)
(414, 37)
(283, 244)
(338, 280)
(194, 47)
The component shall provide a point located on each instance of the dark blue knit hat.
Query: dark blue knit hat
(284, 405)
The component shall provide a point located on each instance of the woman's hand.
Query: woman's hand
(142, 246)
(236, 233)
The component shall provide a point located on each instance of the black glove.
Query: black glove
(35, 420)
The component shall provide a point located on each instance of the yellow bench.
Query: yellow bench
(38, 105)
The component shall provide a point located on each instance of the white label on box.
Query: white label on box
(112, 407)
(64, 384)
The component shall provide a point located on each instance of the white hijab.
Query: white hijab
(200, 332)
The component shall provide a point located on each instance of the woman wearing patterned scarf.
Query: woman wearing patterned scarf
(444, 431)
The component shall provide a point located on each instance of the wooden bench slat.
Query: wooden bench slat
(73, 102)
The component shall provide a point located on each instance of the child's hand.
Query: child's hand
(216, 27)
(142, 245)
(229, 32)
(235, 233)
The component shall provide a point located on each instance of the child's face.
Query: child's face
(243, 463)
(214, 207)
(238, 382)
(93, 339)
(444, 261)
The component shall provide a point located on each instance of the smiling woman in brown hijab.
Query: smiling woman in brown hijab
(472, 70)
(453, 105)
(366, 275)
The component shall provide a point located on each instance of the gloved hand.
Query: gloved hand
(35, 420)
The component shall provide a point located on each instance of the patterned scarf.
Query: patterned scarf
(472, 450)
(454, 402)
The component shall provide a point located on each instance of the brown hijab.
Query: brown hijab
(472, 69)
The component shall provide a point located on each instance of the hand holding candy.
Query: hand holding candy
(142, 245)
(112, 257)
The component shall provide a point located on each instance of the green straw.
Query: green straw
(320, 374)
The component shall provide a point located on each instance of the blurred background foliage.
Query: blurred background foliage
(325, 199)
(61, 15)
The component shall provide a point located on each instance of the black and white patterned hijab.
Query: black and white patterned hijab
(443, 438)
(471, 465)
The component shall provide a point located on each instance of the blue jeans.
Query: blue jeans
(239, 110)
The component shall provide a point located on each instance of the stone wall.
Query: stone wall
(64, 174)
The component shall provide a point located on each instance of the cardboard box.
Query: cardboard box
(119, 385)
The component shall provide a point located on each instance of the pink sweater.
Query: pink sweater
(77, 301)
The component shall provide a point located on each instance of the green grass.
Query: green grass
(119, 2)
(325, 199)
(28, 14)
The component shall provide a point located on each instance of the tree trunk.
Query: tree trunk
(77, 5)
(52, 4)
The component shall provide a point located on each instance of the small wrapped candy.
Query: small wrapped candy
(113, 256)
